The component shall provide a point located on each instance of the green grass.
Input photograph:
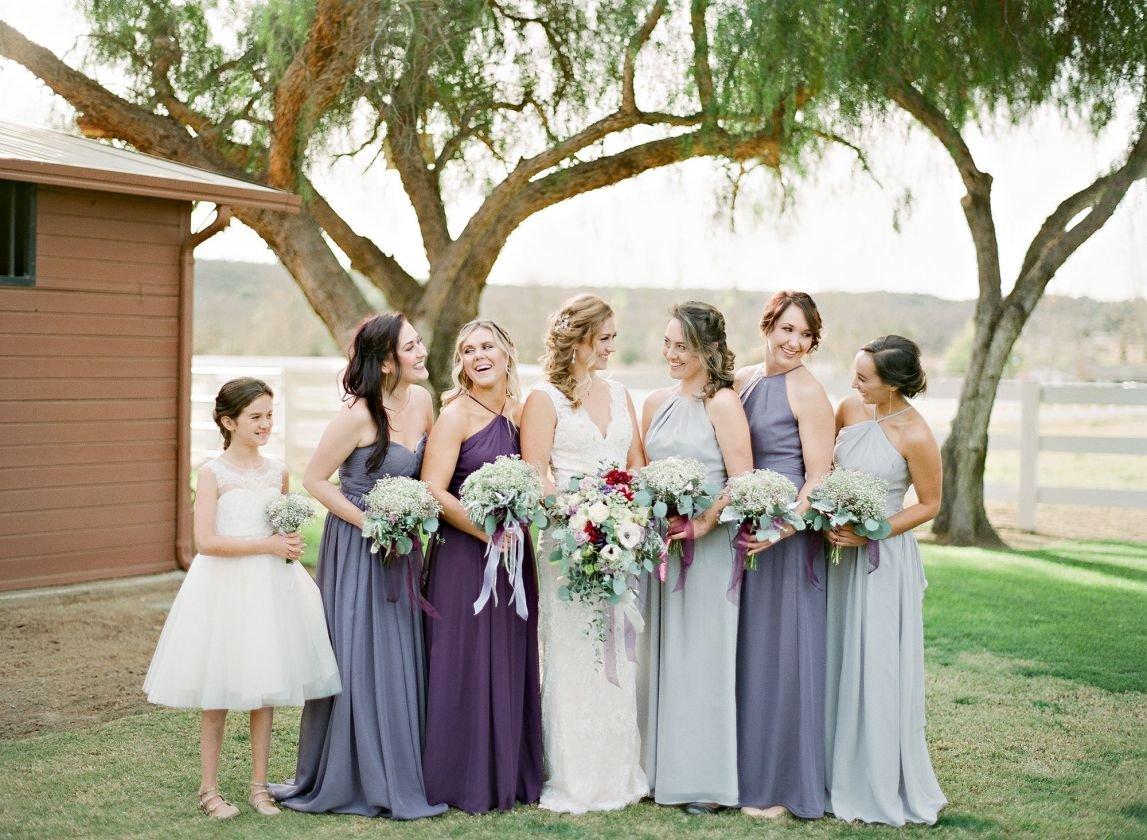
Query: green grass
(1036, 715)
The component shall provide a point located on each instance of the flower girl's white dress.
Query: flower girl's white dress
(244, 632)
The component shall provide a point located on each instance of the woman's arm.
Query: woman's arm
(539, 420)
(438, 463)
(635, 459)
(925, 467)
(341, 437)
(816, 426)
(208, 542)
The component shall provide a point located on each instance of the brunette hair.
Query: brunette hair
(704, 329)
(375, 342)
(781, 301)
(235, 396)
(579, 317)
(458, 375)
(897, 362)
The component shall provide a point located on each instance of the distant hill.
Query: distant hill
(257, 310)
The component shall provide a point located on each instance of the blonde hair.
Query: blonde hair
(579, 318)
(458, 375)
(704, 328)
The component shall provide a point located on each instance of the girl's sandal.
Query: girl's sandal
(212, 804)
(262, 801)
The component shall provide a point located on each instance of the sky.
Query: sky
(672, 227)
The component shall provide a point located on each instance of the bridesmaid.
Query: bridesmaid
(360, 752)
(690, 748)
(780, 646)
(483, 714)
(877, 758)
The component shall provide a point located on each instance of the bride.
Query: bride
(572, 422)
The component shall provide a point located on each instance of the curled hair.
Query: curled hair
(781, 301)
(579, 318)
(375, 342)
(235, 396)
(704, 328)
(897, 362)
(461, 379)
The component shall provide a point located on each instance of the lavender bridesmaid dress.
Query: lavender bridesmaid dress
(781, 638)
(483, 714)
(360, 752)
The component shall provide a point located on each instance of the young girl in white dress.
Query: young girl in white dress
(246, 631)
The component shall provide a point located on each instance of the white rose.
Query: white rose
(577, 521)
(598, 512)
(630, 535)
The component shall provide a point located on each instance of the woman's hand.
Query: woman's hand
(287, 546)
(702, 525)
(757, 546)
(845, 537)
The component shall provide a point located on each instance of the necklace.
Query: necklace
(581, 390)
(397, 409)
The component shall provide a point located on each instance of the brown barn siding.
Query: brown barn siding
(89, 387)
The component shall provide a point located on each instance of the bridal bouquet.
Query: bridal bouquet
(605, 537)
(675, 487)
(288, 513)
(503, 498)
(761, 502)
(397, 508)
(850, 497)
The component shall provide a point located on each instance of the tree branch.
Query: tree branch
(419, 180)
(402, 291)
(632, 49)
(315, 78)
(977, 203)
(701, 69)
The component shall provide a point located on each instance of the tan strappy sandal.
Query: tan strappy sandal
(262, 801)
(212, 804)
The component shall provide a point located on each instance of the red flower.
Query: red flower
(616, 478)
(594, 533)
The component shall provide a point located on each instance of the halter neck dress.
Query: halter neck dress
(876, 756)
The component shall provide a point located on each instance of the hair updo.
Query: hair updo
(781, 301)
(375, 342)
(579, 318)
(704, 328)
(897, 362)
(235, 396)
(461, 379)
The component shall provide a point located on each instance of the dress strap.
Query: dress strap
(886, 416)
(475, 399)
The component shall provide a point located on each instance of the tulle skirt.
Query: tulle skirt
(243, 633)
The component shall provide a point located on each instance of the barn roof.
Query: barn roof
(44, 156)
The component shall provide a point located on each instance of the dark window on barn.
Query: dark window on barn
(17, 234)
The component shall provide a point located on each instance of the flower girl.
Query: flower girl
(246, 631)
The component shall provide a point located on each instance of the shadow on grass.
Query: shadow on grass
(1076, 611)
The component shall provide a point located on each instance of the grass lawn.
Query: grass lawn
(1036, 721)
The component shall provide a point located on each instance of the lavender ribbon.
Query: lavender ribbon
(413, 577)
(740, 551)
(686, 556)
(873, 551)
(630, 616)
(811, 546)
(513, 558)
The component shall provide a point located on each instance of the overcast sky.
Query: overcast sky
(669, 227)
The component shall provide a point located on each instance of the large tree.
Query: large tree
(539, 100)
(1003, 60)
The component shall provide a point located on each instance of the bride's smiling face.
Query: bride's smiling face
(594, 351)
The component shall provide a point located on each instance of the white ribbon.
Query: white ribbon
(512, 559)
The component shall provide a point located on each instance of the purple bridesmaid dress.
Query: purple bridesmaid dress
(483, 712)
(360, 752)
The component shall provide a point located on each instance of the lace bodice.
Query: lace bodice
(579, 445)
(243, 496)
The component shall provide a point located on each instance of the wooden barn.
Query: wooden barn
(96, 283)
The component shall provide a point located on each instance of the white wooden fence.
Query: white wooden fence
(307, 396)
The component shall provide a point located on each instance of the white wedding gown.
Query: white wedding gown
(591, 744)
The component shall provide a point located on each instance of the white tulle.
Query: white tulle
(244, 632)
(592, 748)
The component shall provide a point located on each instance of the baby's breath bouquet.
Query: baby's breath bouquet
(675, 487)
(604, 539)
(850, 497)
(761, 502)
(397, 508)
(288, 513)
(503, 498)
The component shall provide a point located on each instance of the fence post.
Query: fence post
(1030, 393)
(285, 418)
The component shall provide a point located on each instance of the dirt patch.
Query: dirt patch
(78, 658)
